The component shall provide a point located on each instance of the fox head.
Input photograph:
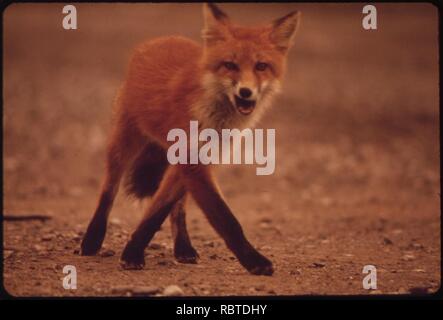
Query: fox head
(243, 64)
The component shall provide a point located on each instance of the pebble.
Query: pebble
(47, 237)
(387, 241)
(408, 257)
(210, 244)
(266, 220)
(115, 221)
(295, 272)
(375, 292)
(265, 225)
(260, 287)
(155, 246)
(7, 253)
(145, 291)
(165, 263)
(416, 246)
(173, 291)
(39, 247)
(107, 253)
(318, 265)
(135, 291)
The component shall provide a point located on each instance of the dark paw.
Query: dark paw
(257, 264)
(186, 254)
(132, 258)
(264, 269)
(93, 239)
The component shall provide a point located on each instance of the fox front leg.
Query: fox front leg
(198, 181)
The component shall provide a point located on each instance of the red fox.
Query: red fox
(226, 83)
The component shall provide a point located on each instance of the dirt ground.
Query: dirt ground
(357, 178)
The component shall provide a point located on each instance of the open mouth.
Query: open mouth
(244, 106)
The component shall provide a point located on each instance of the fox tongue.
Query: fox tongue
(245, 110)
(244, 106)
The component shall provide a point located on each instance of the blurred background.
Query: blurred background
(357, 131)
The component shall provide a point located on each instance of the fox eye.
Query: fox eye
(261, 66)
(230, 66)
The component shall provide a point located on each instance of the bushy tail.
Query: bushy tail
(146, 172)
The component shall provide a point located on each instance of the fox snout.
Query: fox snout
(245, 97)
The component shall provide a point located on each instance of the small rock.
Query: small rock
(173, 291)
(167, 246)
(155, 246)
(39, 247)
(209, 244)
(387, 241)
(266, 220)
(295, 272)
(77, 251)
(121, 289)
(107, 253)
(419, 270)
(165, 263)
(135, 290)
(318, 265)
(115, 221)
(47, 237)
(402, 291)
(265, 225)
(213, 256)
(7, 253)
(416, 246)
(145, 291)
(260, 287)
(375, 292)
(408, 257)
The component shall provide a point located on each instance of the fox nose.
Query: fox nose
(245, 93)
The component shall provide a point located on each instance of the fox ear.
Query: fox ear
(283, 30)
(215, 23)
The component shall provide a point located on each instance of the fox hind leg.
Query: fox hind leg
(123, 145)
(165, 199)
(143, 180)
